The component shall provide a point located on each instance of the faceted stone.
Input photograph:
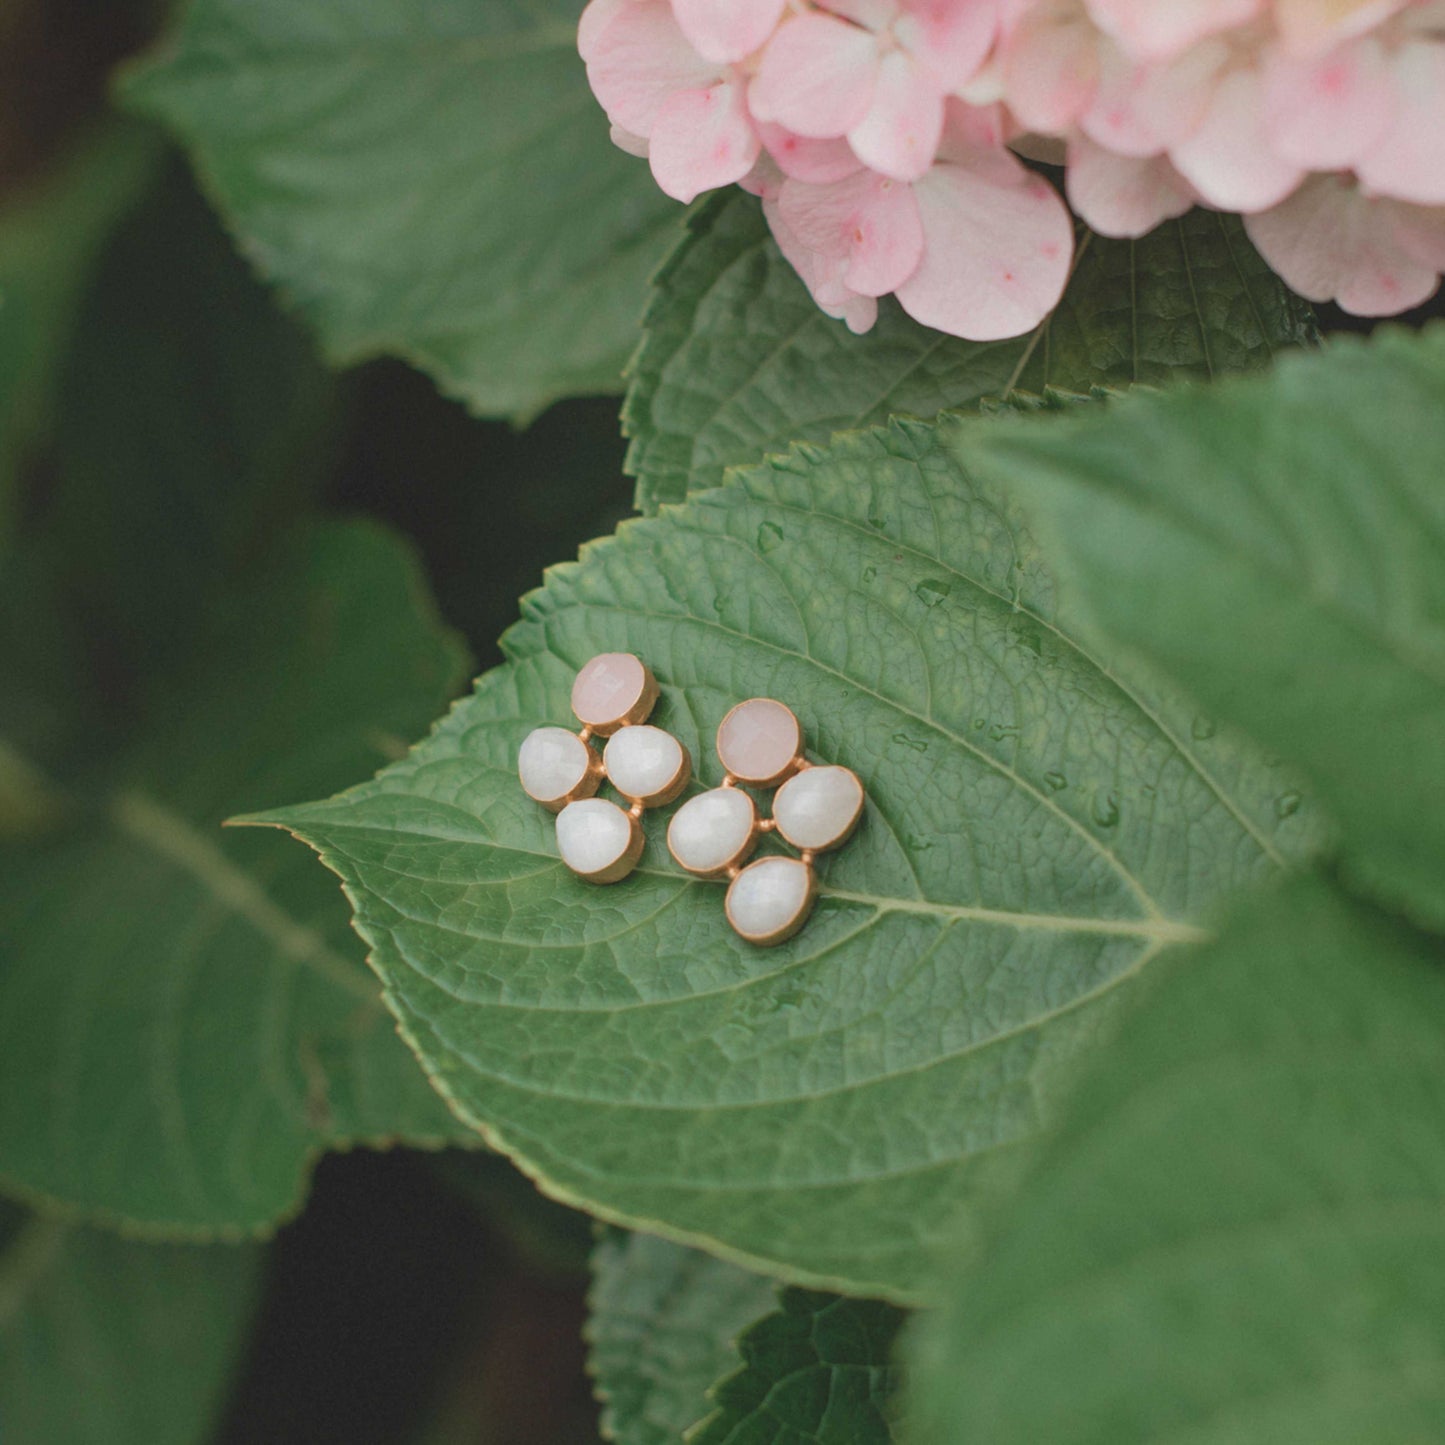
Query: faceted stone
(769, 900)
(759, 741)
(598, 840)
(713, 832)
(818, 808)
(644, 763)
(553, 763)
(609, 690)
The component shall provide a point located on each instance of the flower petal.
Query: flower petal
(869, 221)
(1152, 30)
(726, 31)
(1122, 196)
(816, 77)
(997, 247)
(815, 161)
(703, 139)
(1409, 160)
(598, 15)
(1051, 69)
(1141, 110)
(639, 59)
(831, 296)
(1228, 160)
(1325, 112)
(1331, 243)
(950, 39)
(899, 136)
(1311, 27)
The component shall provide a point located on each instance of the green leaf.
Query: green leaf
(1239, 1234)
(435, 183)
(1041, 826)
(108, 1342)
(1287, 566)
(819, 1372)
(738, 362)
(662, 1325)
(50, 239)
(184, 1020)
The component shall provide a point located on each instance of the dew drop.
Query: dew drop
(1287, 805)
(916, 744)
(770, 537)
(1056, 781)
(1106, 811)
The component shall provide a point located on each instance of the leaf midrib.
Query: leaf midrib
(1159, 929)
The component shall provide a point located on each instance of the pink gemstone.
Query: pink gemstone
(608, 688)
(759, 740)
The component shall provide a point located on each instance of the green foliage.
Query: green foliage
(738, 362)
(185, 1019)
(1286, 567)
(1237, 1234)
(1041, 826)
(818, 1372)
(108, 1342)
(663, 1321)
(431, 182)
(49, 241)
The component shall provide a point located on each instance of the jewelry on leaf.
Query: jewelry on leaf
(613, 696)
(816, 808)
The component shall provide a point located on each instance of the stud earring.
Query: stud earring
(816, 808)
(613, 696)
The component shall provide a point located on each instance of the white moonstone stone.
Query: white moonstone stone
(642, 762)
(593, 835)
(770, 898)
(709, 831)
(551, 763)
(818, 808)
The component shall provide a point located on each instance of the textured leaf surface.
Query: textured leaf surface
(1288, 567)
(662, 1329)
(1039, 829)
(49, 241)
(818, 1372)
(108, 1342)
(431, 181)
(1239, 1235)
(184, 1018)
(738, 362)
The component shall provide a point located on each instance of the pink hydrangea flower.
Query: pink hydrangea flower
(883, 136)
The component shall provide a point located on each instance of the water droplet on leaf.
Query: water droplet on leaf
(770, 537)
(917, 744)
(1106, 811)
(1287, 805)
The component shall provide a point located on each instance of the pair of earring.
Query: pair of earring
(713, 835)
